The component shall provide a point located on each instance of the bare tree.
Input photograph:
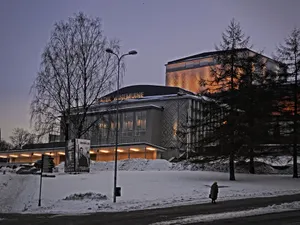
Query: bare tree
(21, 137)
(289, 53)
(75, 71)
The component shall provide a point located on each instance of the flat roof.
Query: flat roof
(147, 90)
(59, 148)
(153, 99)
(214, 53)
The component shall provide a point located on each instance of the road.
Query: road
(145, 217)
(285, 218)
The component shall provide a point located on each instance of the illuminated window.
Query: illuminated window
(140, 123)
(113, 121)
(140, 118)
(175, 129)
(104, 126)
(128, 121)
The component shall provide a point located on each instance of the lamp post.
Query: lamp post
(110, 51)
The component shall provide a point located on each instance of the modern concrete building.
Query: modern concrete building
(188, 72)
(149, 117)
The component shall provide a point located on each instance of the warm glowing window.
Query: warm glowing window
(128, 121)
(103, 125)
(113, 125)
(140, 118)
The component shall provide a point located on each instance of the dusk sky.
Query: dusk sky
(160, 30)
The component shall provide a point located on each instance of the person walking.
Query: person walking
(214, 190)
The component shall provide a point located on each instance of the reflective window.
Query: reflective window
(140, 123)
(140, 118)
(104, 126)
(128, 121)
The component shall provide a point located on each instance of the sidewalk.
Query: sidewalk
(148, 216)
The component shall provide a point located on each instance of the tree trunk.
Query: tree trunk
(251, 163)
(231, 156)
(231, 166)
(67, 132)
(295, 165)
(295, 139)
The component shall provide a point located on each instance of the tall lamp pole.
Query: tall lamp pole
(110, 51)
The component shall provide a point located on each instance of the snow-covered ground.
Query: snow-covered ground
(262, 165)
(145, 184)
(17, 192)
(218, 216)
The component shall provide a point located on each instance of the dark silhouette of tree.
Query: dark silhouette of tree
(4, 145)
(289, 53)
(21, 137)
(225, 77)
(237, 116)
(257, 99)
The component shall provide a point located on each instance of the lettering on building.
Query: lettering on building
(123, 97)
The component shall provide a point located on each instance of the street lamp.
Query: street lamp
(110, 51)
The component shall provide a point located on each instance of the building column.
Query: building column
(189, 138)
(56, 157)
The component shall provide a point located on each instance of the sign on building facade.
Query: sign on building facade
(77, 156)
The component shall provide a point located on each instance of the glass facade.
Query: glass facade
(127, 125)
(140, 123)
(130, 124)
(104, 127)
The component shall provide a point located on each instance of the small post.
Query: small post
(145, 153)
(74, 152)
(41, 179)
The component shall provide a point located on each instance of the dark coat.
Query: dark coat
(214, 190)
(83, 161)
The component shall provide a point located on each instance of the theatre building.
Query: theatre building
(149, 117)
(188, 72)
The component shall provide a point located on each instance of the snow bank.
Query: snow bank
(236, 214)
(277, 160)
(261, 166)
(127, 165)
(17, 192)
(6, 169)
(133, 165)
(84, 196)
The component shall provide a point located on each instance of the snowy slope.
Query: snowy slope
(140, 190)
(144, 183)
